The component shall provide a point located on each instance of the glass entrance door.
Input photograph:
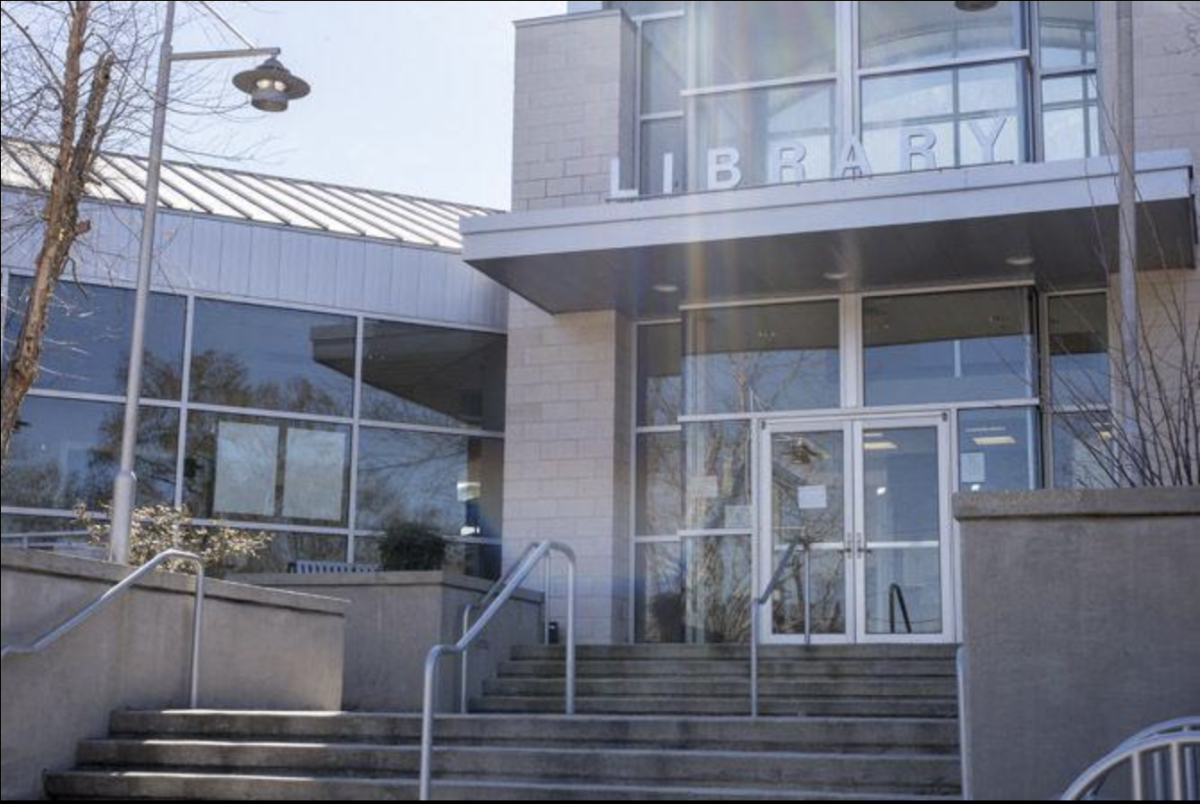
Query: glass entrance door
(862, 509)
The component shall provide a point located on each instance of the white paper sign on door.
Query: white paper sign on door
(813, 498)
(974, 467)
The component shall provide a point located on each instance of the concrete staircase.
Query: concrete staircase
(656, 723)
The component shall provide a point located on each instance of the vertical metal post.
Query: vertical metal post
(571, 636)
(197, 636)
(546, 580)
(465, 666)
(431, 669)
(808, 597)
(1130, 324)
(754, 637)
(125, 486)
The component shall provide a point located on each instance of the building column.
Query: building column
(567, 472)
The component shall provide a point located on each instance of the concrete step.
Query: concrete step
(725, 707)
(662, 653)
(724, 688)
(923, 774)
(117, 785)
(777, 668)
(814, 734)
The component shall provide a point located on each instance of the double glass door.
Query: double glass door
(860, 513)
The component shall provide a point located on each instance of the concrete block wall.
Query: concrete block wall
(574, 99)
(567, 456)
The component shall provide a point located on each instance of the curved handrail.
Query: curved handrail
(777, 579)
(469, 610)
(896, 595)
(1179, 740)
(108, 598)
(516, 578)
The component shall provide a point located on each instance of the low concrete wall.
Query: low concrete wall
(262, 650)
(1082, 627)
(393, 621)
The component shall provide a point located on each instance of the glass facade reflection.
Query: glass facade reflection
(271, 440)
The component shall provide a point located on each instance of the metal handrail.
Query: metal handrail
(468, 611)
(762, 600)
(108, 598)
(517, 578)
(896, 595)
(1178, 740)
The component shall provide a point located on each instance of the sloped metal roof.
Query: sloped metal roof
(243, 196)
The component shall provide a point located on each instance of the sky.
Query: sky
(410, 97)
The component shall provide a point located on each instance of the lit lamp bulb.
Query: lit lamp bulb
(271, 86)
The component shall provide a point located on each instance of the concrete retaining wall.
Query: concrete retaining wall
(393, 621)
(1082, 626)
(262, 650)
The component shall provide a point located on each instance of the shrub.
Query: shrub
(413, 547)
(157, 529)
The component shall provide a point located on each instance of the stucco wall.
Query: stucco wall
(1081, 614)
(262, 649)
(393, 621)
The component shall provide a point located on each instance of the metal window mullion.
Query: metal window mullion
(430, 429)
(847, 55)
(185, 395)
(355, 440)
(750, 86)
(259, 413)
(100, 399)
(5, 301)
(940, 65)
(1037, 126)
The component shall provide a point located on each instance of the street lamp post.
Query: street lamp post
(1130, 323)
(271, 88)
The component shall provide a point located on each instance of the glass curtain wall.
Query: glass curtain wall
(321, 429)
(923, 85)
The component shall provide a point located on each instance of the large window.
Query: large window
(86, 345)
(272, 441)
(925, 85)
(954, 347)
(267, 358)
(747, 359)
(1080, 394)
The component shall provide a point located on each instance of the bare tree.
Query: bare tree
(73, 78)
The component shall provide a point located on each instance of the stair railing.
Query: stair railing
(1174, 751)
(896, 598)
(516, 579)
(52, 637)
(479, 605)
(758, 603)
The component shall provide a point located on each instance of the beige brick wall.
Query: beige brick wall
(575, 95)
(567, 455)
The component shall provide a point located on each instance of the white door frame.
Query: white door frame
(853, 427)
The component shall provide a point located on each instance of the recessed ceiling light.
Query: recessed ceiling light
(666, 289)
(996, 441)
(1021, 261)
(837, 276)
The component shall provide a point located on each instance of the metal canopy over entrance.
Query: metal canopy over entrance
(1053, 223)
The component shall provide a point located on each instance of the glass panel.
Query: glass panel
(659, 484)
(664, 65)
(718, 476)
(66, 452)
(760, 41)
(828, 583)
(660, 380)
(249, 469)
(904, 591)
(1079, 362)
(718, 571)
(1071, 117)
(808, 496)
(952, 347)
(87, 340)
(1068, 35)
(776, 358)
(895, 33)
(452, 484)
(902, 486)
(659, 594)
(1000, 450)
(1085, 451)
(974, 114)
(47, 533)
(772, 130)
(288, 548)
(433, 376)
(659, 138)
(271, 359)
